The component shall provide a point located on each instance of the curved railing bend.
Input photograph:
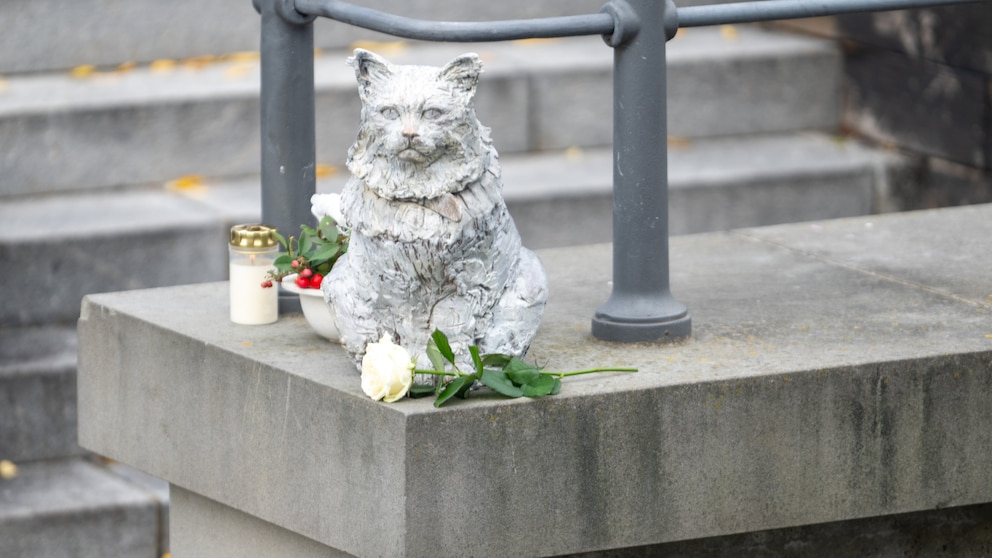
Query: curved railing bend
(640, 307)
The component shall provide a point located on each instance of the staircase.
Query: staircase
(129, 140)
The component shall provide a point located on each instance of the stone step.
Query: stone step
(59, 248)
(148, 30)
(152, 124)
(38, 393)
(77, 508)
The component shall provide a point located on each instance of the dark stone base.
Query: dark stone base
(964, 531)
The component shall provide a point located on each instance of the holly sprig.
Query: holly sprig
(312, 255)
(507, 375)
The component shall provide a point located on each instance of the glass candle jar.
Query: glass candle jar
(252, 252)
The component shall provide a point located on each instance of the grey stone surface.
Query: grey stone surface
(109, 32)
(751, 81)
(75, 509)
(38, 393)
(964, 531)
(823, 382)
(565, 198)
(55, 250)
(921, 106)
(199, 522)
(954, 35)
(58, 133)
(111, 241)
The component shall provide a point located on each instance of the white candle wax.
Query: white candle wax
(251, 303)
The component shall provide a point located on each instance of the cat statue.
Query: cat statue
(432, 244)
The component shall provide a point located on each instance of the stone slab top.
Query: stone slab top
(836, 369)
(772, 300)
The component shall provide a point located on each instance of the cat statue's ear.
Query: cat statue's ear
(370, 69)
(463, 73)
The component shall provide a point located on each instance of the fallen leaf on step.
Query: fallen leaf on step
(242, 56)
(199, 62)
(7, 469)
(83, 72)
(532, 42)
(239, 71)
(190, 185)
(126, 67)
(162, 65)
(326, 171)
(728, 32)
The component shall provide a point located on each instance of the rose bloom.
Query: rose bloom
(387, 371)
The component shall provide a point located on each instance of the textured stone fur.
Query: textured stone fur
(432, 244)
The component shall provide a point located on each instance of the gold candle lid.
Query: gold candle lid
(253, 237)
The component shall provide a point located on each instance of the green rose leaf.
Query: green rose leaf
(476, 359)
(498, 382)
(495, 360)
(434, 354)
(421, 390)
(452, 389)
(441, 341)
(543, 385)
(520, 372)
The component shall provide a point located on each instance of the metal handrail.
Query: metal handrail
(640, 306)
(458, 31)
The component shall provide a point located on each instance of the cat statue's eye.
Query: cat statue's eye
(432, 113)
(390, 112)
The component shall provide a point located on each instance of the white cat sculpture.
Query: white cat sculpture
(432, 243)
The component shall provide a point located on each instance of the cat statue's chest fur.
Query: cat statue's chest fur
(432, 243)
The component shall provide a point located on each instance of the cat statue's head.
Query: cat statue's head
(419, 137)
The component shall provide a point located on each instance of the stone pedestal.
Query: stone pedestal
(837, 370)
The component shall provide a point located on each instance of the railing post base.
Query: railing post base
(624, 330)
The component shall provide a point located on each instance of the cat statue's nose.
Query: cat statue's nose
(410, 132)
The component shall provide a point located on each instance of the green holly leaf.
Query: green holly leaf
(306, 241)
(325, 252)
(497, 381)
(328, 229)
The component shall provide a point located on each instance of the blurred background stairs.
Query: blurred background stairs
(129, 141)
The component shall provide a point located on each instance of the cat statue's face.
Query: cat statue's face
(419, 137)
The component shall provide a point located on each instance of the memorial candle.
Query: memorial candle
(252, 252)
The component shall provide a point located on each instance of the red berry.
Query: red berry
(316, 280)
(303, 282)
(306, 272)
(295, 264)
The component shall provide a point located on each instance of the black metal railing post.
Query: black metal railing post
(641, 306)
(287, 111)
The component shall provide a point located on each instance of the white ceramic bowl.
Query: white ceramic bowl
(318, 313)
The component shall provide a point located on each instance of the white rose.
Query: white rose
(327, 205)
(387, 371)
